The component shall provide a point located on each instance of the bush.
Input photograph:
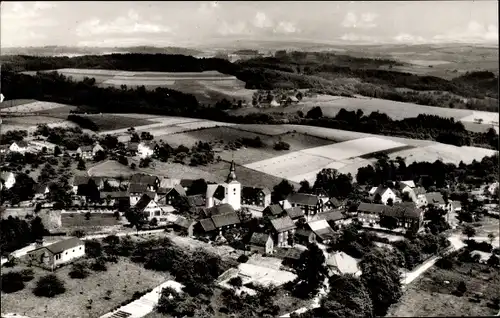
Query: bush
(445, 263)
(236, 281)
(243, 258)
(93, 248)
(12, 282)
(461, 288)
(27, 275)
(49, 286)
(78, 271)
(99, 265)
(78, 233)
(281, 145)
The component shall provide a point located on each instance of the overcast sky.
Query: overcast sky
(192, 22)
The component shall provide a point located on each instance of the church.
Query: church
(228, 192)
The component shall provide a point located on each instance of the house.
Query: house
(150, 209)
(369, 213)
(57, 254)
(256, 196)
(206, 227)
(309, 203)
(295, 213)
(436, 199)
(146, 148)
(222, 216)
(132, 148)
(41, 191)
(113, 198)
(305, 236)
(168, 196)
(492, 188)
(225, 193)
(8, 179)
(407, 214)
(291, 257)
(184, 226)
(335, 218)
(385, 194)
(79, 181)
(274, 103)
(197, 201)
(261, 243)
(19, 146)
(272, 211)
(340, 263)
(334, 204)
(89, 152)
(152, 182)
(324, 233)
(407, 183)
(283, 231)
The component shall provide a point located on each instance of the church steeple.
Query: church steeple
(232, 175)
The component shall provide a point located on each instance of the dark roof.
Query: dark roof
(79, 180)
(183, 222)
(186, 183)
(137, 187)
(283, 224)
(114, 194)
(434, 197)
(196, 200)
(380, 190)
(335, 202)
(274, 209)
(325, 233)
(133, 146)
(180, 190)
(219, 209)
(259, 239)
(303, 199)
(64, 245)
(144, 178)
(403, 209)
(143, 202)
(303, 232)
(330, 216)
(207, 225)
(220, 193)
(40, 188)
(221, 220)
(370, 207)
(21, 143)
(164, 190)
(251, 192)
(295, 212)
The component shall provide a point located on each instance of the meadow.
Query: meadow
(106, 122)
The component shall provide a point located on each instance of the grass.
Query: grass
(96, 219)
(15, 102)
(110, 122)
(123, 279)
(430, 296)
(112, 169)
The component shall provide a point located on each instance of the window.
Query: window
(80, 247)
(66, 253)
(73, 251)
(58, 256)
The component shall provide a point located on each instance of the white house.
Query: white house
(88, 152)
(228, 192)
(146, 149)
(8, 179)
(57, 254)
(151, 209)
(492, 188)
(19, 146)
(384, 192)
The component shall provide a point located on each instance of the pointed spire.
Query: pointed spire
(232, 174)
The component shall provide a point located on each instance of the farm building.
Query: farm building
(146, 148)
(283, 230)
(113, 198)
(272, 211)
(184, 226)
(39, 145)
(309, 203)
(88, 152)
(256, 196)
(305, 236)
(483, 257)
(19, 146)
(261, 243)
(334, 204)
(290, 256)
(221, 216)
(80, 182)
(384, 193)
(57, 254)
(324, 233)
(225, 193)
(8, 179)
(341, 263)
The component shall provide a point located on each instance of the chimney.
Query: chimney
(39, 243)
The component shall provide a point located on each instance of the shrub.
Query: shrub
(12, 282)
(99, 265)
(445, 263)
(49, 286)
(78, 271)
(461, 288)
(78, 233)
(236, 281)
(27, 275)
(243, 258)
(93, 248)
(281, 145)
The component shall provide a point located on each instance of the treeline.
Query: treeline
(17, 233)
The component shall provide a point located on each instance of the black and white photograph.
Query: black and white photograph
(236, 159)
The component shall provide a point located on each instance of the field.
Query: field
(431, 296)
(208, 87)
(109, 122)
(70, 220)
(110, 168)
(123, 279)
(37, 107)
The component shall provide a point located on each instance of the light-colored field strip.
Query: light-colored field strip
(165, 131)
(311, 176)
(486, 117)
(204, 124)
(353, 148)
(129, 82)
(445, 153)
(33, 107)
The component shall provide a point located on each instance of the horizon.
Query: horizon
(203, 24)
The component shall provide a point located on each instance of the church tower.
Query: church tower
(233, 188)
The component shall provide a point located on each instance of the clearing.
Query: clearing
(430, 296)
(123, 279)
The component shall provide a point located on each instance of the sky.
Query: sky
(191, 23)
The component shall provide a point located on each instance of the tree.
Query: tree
(314, 113)
(123, 160)
(135, 218)
(388, 222)
(282, 190)
(469, 231)
(78, 271)
(198, 186)
(135, 138)
(93, 248)
(12, 282)
(153, 222)
(305, 187)
(81, 165)
(100, 156)
(132, 166)
(348, 297)
(311, 271)
(377, 199)
(493, 261)
(236, 282)
(87, 216)
(461, 288)
(49, 286)
(57, 151)
(380, 274)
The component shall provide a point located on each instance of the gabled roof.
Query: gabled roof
(64, 245)
(211, 190)
(220, 193)
(184, 222)
(221, 220)
(295, 212)
(186, 183)
(409, 183)
(336, 203)
(434, 198)
(259, 239)
(283, 224)
(330, 216)
(41, 188)
(379, 190)
(370, 207)
(343, 262)
(169, 183)
(137, 188)
(303, 232)
(219, 209)
(274, 209)
(143, 202)
(21, 143)
(303, 199)
(207, 224)
(180, 190)
(196, 200)
(293, 253)
(402, 209)
(322, 229)
(419, 190)
(79, 180)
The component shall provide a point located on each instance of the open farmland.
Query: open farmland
(69, 220)
(106, 122)
(37, 107)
